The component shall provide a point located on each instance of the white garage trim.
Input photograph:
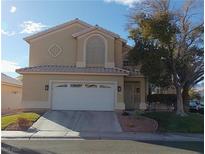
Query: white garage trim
(51, 82)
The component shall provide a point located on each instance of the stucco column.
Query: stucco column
(80, 60)
(109, 54)
(120, 105)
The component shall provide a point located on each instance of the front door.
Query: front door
(132, 95)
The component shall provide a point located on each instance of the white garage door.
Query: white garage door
(83, 96)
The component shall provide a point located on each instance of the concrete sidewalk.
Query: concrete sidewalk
(102, 135)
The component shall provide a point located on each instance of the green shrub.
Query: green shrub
(162, 98)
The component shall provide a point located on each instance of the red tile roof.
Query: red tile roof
(60, 69)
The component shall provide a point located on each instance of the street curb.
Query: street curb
(92, 138)
(113, 136)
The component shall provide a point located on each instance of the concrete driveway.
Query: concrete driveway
(79, 121)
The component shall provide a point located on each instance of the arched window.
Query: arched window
(95, 51)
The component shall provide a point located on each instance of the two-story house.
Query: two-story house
(77, 66)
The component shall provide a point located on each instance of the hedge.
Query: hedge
(162, 98)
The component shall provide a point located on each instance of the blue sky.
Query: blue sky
(23, 18)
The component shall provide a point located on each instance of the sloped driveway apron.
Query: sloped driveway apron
(79, 121)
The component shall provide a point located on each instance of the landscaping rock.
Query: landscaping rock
(131, 123)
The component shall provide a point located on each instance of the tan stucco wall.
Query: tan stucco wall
(143, 88)
(72, 48)
(39, 54)
(35, 96)
(10, 97)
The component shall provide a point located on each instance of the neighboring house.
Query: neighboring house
(11, 93)
(199, 88)
(77, 66)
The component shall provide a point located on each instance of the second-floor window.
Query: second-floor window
(95, 51)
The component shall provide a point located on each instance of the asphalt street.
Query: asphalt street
(99, 147)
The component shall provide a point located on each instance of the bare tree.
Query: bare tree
(179, 32)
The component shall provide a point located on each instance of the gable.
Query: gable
(57, 48)
(97, 29)
(73, 28)
(57, 29)
(66, 44)
(87, 28)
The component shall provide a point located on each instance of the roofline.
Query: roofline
(74, 73)
(27, 39)
(11, 84)
(84, 32)
(129, 46)
(135, 76)
(122, 69)
(57, 27)
(123, 40)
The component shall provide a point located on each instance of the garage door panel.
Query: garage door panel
(101, 98)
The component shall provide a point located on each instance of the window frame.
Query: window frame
(85, 48)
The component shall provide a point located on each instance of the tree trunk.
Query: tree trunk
(149, 93)
(185, 95)
(180, 107)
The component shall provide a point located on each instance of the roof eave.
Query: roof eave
(11, 84)
(74, 73)
(78, 34)
(39, 34)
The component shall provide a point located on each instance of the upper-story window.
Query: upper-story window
(95, 51)
(125, 62)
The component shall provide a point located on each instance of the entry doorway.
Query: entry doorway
(132, 95)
